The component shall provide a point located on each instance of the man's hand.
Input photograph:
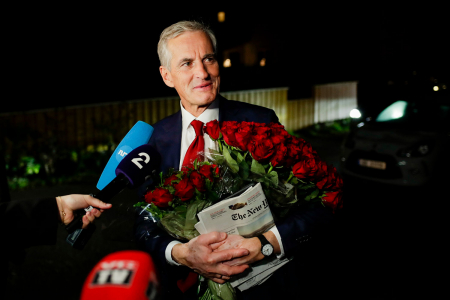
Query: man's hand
(252, 244)
(198, 255)
(234, 241)
(70, 203)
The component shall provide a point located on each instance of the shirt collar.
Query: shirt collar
(210, 113)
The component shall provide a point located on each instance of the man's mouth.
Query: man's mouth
(203, 86)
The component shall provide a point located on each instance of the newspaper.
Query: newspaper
(247, 215)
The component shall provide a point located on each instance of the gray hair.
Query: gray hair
(175, 30)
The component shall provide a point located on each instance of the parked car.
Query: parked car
(405, 144)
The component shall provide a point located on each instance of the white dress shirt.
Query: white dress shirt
(187, 137)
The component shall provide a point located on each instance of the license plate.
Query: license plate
(374, 164)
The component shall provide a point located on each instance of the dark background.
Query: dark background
(72, 54)
(58, 55)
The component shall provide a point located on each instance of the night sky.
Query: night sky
(71, 55)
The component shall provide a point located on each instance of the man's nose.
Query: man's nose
(201, 71)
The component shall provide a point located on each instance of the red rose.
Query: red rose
(333, 200)
(263, 131)
(308, 151)
(184, 189)
(276, 128)
(197, 181)
(305, 169)
(294, 152)
(207, 171)
(169, 180)
(301, 169)
(160, 197)
(212, 129)
(277, 139)
(338, 184)
(280, 156)
(261, 150)
(334, 181)
(229, 129)
(244, 135)
(216, 170)
(321, 176)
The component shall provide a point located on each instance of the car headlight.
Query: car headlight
(418, 150)
(355, 113)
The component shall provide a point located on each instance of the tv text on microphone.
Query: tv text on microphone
(128, 274)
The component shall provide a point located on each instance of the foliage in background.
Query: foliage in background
(66, 166)
(336, 128)
(50, 163)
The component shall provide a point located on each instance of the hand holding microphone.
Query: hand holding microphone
(131, 172)
(70, 203)
(115, 177)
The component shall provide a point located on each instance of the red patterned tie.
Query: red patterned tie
(197, 146)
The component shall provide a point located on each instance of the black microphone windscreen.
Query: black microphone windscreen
(138, 164)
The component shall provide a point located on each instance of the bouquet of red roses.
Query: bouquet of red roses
(289, 170)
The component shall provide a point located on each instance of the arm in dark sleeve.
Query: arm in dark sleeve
(28, 223)
(154, 240)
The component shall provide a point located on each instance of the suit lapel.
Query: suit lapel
(173, 130)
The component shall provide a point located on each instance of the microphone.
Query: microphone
(128, 274)
(131, 172)
(138, 135)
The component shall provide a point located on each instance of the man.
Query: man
(188, 64)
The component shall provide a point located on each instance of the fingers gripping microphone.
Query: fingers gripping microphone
(131, 172)
(122, 275)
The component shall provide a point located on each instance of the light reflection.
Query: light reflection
(262, 63)
(227, 63)
(221, 16)
(355, 113)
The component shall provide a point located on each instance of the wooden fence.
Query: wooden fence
(107, 123)
(334, 101)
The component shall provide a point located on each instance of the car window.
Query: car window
(413, 115)
(393, 112)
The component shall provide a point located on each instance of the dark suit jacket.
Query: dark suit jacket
(295, 230)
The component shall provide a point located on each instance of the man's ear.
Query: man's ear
(166, 76)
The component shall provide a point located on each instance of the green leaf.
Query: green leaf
(244, 170)
(240, 158)
(171, 189)
(230, 161)
(294, 181)
(212, 196)
(315, 193)
(217, 157)
(257, 168)
(273, 177)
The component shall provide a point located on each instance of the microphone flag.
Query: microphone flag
(138, 135)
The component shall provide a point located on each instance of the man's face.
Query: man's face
(194, 71)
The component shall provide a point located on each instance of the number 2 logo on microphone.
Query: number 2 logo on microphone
(138, 159)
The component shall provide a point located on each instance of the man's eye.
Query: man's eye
(186, 64)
